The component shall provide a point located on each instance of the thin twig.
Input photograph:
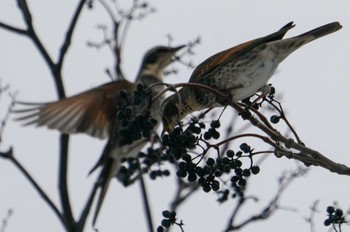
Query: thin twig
(9, 155)
(6, 220)
(146, 204)
(69, 34)
(269, 209)
(13, 29)
(180, 197)
(86, 210)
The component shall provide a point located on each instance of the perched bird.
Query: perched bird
(94, 112)
(239, 72)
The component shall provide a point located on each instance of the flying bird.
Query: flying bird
(238, 72)
(95, 112)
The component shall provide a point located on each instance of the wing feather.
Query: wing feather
(222, 58)
(91, 112)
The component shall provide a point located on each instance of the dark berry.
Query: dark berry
(181, 173)
(166, 213)
(218, 173)
(235, 179)
(230, 153)
(327, 222)
(192, 177)
(238, 171)
(255, 170)
(166, 223)
(330, 209)
(207, 135)
(245, 148)
(210, 162)
(242, 182)
(206, 188)
(274, 119)
(215, 185)
(166, 173)
(215, 134)
(338, 213)
(215, 124)
(246, 172)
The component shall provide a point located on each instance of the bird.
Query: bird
(95, 112)
(238, 72)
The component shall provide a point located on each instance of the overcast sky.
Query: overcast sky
(314, 82)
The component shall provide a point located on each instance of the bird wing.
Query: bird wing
(210, 65)
(90, 112)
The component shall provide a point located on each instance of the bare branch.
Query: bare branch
(69, 34)
(6, 220)
(183, 192)
(13, 29)
(9, 155)
(313, 211)
(269, 209)
(8, 112)
(86, 210)
(146, 204)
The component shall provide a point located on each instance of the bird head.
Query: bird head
(157, 59)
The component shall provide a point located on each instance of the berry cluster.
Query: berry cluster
(335, 217)
(169, 219)
(177, 142)
(131, 166)
(212, 132)
(134, 121)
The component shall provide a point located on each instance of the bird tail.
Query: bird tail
(287, 46)
(323, 30)
(109, 170)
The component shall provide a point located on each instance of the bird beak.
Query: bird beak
(175, 49)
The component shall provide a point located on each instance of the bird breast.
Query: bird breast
(245, 76)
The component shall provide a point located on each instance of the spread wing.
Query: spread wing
(207, 67)
(91, 112)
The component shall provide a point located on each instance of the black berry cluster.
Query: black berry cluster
(169, 220)
(335, 216)
(208, 175)
(212, 132)
(134, 122)
(177, 143)
(132, 166)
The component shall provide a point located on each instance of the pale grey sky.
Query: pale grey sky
(314, 82)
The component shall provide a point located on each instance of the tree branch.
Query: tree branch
(69, 34)
(86, 210)
(269, 209)
(146, 204)
(9, 155)
(30, 32)
(306, 155)
(62, 182)
(13, 29)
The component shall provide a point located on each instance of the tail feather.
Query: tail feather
(109, 170)
(323, 30)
